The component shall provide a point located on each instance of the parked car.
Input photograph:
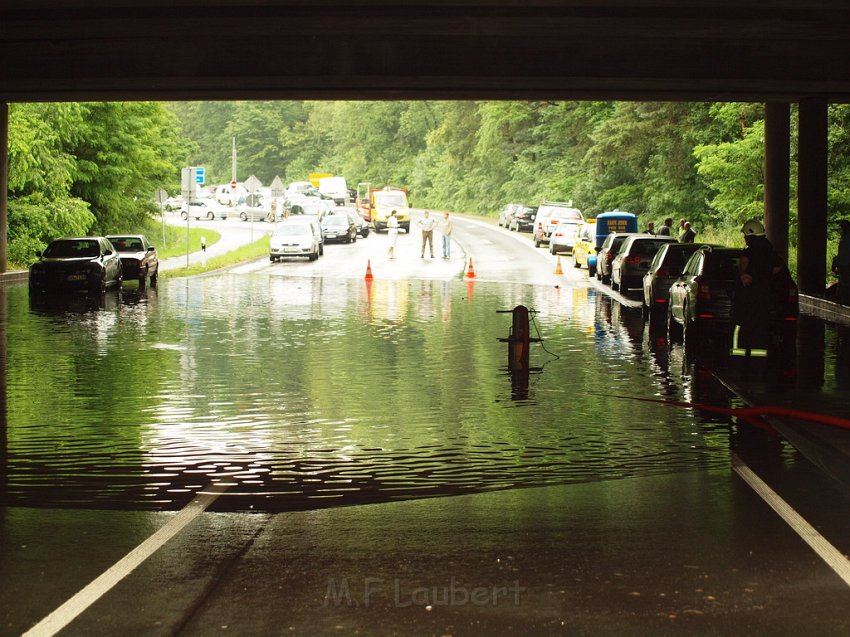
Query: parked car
(633, 258)
(294, 238)
(506, 214)
(562, 238)
(701, 299)
(73, 263)
(666, 267)
(605, 257)
(550, 214)
(585, 246)
(203, 209)
(227, 195)
(339, 227)
(173, 203)
(138, 257)
(523, 219)
(363, 226)
(299, 203)
(255, 213)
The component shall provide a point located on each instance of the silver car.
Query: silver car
(294, 239)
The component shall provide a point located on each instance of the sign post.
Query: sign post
(161, 196)
(252, 184)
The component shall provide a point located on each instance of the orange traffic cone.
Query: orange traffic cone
(470, 271)
(558, 269)
(368, 276)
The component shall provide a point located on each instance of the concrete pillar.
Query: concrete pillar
(4, 182)
(777, 173)
(811, 196)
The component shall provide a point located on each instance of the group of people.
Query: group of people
(686, 233)
(428, 224)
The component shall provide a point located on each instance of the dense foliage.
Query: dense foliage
(86, 168)
(94, 167)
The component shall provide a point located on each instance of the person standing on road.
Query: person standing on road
(446, 228)
(665, 229)
(427, 224)
(751, 305)
(842, 263)
(392, 233)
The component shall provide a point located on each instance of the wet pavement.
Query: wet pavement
(383, 473)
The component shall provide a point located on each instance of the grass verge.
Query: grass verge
(175, 238)
(260, 248)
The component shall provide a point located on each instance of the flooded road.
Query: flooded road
(308, 392)
(325, 420)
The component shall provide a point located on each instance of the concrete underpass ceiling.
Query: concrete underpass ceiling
(368, 49)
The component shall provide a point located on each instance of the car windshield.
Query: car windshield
(127, 244)
(390, 199)
(335, 220)
(72, 248)
(293, 230)
(646, 247)
(722, 266)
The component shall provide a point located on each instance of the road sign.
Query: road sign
(187, 183)
(252, 184)
(200, 174)
(233, 184)
(161, 196)
(277, 187)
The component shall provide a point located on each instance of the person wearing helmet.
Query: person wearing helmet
(753, 295)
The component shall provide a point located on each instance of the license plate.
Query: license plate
(292, 249)
(76, 277)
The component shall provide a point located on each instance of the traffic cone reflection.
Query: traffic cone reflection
(558, 269)
(368, 270)
(470, 271)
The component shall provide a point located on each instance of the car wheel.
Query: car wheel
(365, 232)
(243, 216)
(614, 285)
(184, 215)
(576, 264)
(536, 242)
(272, 259)
(313, 256)
(210, 216)
(154, 277)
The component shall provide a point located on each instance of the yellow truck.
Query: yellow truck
(315, 177)
(382, 201)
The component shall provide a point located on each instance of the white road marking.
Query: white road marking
(71, 609)
(819, 544)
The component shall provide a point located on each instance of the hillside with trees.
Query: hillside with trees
(90, 167)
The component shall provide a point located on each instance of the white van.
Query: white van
(229, 196)
(335, 187)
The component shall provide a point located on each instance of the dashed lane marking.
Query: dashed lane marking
(818, 543)
(71, 609)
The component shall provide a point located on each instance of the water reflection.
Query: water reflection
(300, 393)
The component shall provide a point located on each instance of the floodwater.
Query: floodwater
(301, 393)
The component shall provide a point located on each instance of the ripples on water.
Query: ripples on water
(302, 393)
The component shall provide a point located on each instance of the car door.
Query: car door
(681, 289)
(110, 259)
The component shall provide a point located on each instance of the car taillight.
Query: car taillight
(704, 292)
(609, 256)
(632, 260)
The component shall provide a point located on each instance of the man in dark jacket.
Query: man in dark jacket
(665, 229)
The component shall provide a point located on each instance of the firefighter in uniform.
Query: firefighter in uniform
(751, 309)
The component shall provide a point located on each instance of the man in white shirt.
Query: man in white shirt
(427, 224)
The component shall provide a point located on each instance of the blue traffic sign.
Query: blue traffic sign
(200, 174)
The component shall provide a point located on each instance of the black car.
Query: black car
(338, 226)
(138, 257)
(362, 225)
(77, 263)
(633, 259)
(703, 296)
(666, 267)
(522, 219)
(610, 248)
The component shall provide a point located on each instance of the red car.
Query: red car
(138, 257)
